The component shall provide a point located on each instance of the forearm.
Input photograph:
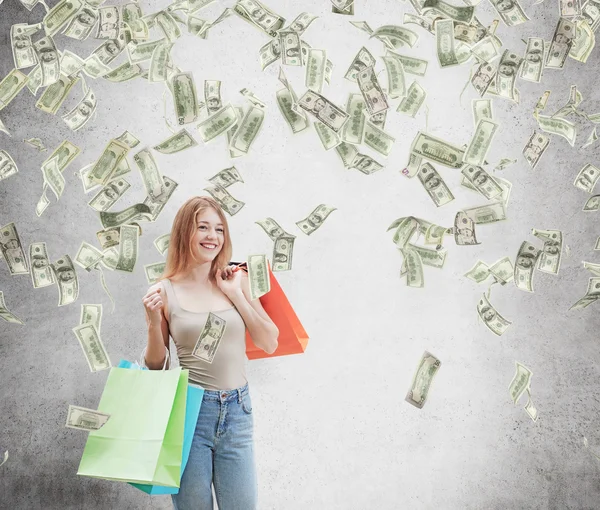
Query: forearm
(264, 333)
(155, 349)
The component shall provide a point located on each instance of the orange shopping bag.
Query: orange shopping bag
(292, 336)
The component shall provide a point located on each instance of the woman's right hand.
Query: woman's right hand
(153, 305)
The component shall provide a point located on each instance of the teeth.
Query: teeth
(209, 246)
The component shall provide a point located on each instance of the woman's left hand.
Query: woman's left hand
(228, 281)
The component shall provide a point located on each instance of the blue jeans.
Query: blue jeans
(222, 453)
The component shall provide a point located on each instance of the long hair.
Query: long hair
(180, 255)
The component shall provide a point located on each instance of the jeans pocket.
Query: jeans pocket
(247, 403)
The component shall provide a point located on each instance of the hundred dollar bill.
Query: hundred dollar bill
(520, 382)
(226, 177)
(258, 276)
(378, 139)
(41, 273)
(165, 21)
(109, 194)
(481, 142)
(247, 130)
(482, 181)
(185, 99)
(592, 294)
(257, 14)
(422, 21)
(324, 110)
(411, 103)
(178, 142)
(53, 178)
(436, 149)
(444, 41)
(328, 137)
(482, 109)
(302, 22)
(564, 34)
(210, 338)
(161, 243)
(128, 248)
(269, 53)
(66, 277)
(48, 57)
(353, 130)
(397, 35)
(117, 218)
(226, 201)
(533, 63)
(55, 94)
(464, 229)
(527, 258)
(82, 24)
(8, 166)
(530, 409)
(587, 178)
(315, 219)
(82, 418)
(273, 229)
(510, 11)
(434, 185)
(82, 113)
(105, 166)
(22, 48)
(12, 252)
(364, 163)
(154, 271)
(396, 76)
(87, 256)
(535, 148)
(368, 84)
(479, 272)
(422, 379)
(8, 316)
(487, 49)
(11, 85)
(59, 15)
(491, 318)
(410, 65)
(549, 258)
(462, 14)
(502, 270)
(315, 70)
(558, 126)
(217, 123)
(284, 100)
(506, 76)
(362, 60)
(140, 52)
(92, 346)
(429, 257)
(414, 267)
(156, 206)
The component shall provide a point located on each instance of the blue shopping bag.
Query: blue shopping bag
(194, 398)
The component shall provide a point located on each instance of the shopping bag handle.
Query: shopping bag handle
(142, 362)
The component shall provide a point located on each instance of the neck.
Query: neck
(198, 273)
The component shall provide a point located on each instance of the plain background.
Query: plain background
(332, 428)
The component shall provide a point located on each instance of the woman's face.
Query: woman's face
(208, 231)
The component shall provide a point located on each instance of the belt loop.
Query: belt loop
(239, 396)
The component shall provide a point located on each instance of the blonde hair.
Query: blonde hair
(180, 254)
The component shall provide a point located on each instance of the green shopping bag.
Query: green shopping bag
(142, 442)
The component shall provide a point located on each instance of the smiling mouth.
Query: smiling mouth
(214, 247)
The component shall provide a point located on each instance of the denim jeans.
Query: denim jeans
(222, 453)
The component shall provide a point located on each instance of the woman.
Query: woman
(222, 451)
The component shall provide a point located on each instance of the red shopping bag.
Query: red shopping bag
(292, 336)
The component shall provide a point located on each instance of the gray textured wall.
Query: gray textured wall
(332, 428)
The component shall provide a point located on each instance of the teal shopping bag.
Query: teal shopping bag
(142, 442)
(192, 409)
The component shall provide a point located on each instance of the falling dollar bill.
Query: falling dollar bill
(525, 263)
(82, 418)
(587, 178)
(535, 148)
(92, 347)
(592, 294)
(491, 318)
(421, 383)
(464, 229)
(434, 185)
(375, 98)
(210, 338)
(323, 109)
(481, 142)
(315, 219)
(6, 314)
(520, 382)
(549, 258)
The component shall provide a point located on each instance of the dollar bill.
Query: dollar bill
(290, 48)
(434, 185)
(491, 318)
(258, 276)
(487, 49)
(483, 76)
(82, 418)
(430, 257)
(226, 201)
(410, 65)
(462, 14)
(12, 252)
(587, 178)
(109, 194)
(533, 63)
(583, 43)
(258, 15)
(315, 70)
(378, 139)
(82, 24)
(49, 60)
(11, 85)
(375, 98)
(592, 204)
(283, 250)
(481, 142)
(438, 150)
(82, 113)
(570, 8)
(558, 126)
(176, 143)
(444, 41)
(464, 229)
(55, 94)
(479, 272)
(530, 409)
(218, 123)
(154, 271)
(315, 219)
(525, 264)
(411, 103)
(59, 15)
(396, 76)
(535, 148)
(398, 36)
(210, 338)
(302, 22)
(550, 255)
(8, 166)
(323, 109)
(520, 382)
(128, 248)
(328, 137)
(564, 34)
(421, 382)
(184, 97)
(510, 11)
(503, 270)
(41, 272)
(592, 294)
(482, 181)
(590, 13)
(506, 76)
(7, 316)
(353, 129)
(361, 61)
(24, 54)
(248, 130)
(285, 101)
(482, 109)
(87, 256)
(487, 213)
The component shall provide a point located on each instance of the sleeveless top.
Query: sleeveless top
(228, 368)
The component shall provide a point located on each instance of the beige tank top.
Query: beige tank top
(228, 368)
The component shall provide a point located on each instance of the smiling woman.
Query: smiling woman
(200, 302)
